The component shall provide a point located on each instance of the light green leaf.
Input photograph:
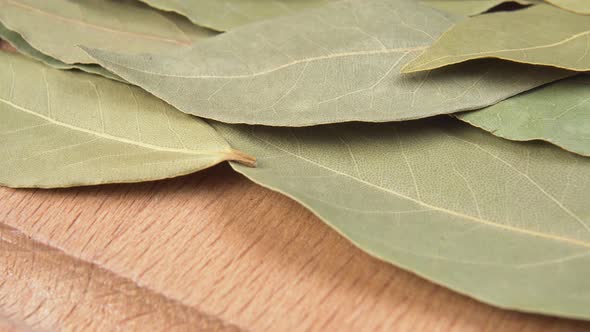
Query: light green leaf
(541, 35)
(125, 26)
(471, 7)
(558, 113)
(334, 64)
(504, 222)
(23, 47)
(223, 15)
(62, 129)
(576, 6)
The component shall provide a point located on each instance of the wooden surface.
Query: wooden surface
(210, 251)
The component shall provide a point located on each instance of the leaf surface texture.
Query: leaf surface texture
(24, 48)
(501, 221)
(338, 63)
(62, 129)
(223, 15)
(576, 6)
(558, 113)
(536, 35)
(122, 26)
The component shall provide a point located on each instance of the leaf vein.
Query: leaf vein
(432, 207)
(111, 137)
(277, 68)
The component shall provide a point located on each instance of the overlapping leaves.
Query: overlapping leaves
(485, 216)
(473, 7)
(536, 35)
(335, 64)
(110, 25)
(23, 47)
(576, 6)
(558, 113)
(505, 222)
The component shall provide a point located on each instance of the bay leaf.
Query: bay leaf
(558, 113)
(539, 35)
(507, 223)
(223, 15)
(61, 25)
(62, 129)
(337, 63)
(472, 7)
(23, 47)
(576, 6)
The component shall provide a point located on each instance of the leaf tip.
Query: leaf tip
(411, 67)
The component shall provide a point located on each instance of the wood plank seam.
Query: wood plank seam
(23, 289)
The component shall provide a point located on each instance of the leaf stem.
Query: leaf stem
(241, 158)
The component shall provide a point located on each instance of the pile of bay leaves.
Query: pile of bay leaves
(448, 137)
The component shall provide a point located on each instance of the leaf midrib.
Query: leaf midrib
(423, 66)
(432, 207)
(111, 137)
(274, 69)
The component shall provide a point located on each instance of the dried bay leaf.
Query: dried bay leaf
(24, 48)
(62, 25)
(472, 7)
(504, 222)
(558, 113)
(337, 63)
(222, 15)
(540, 35)
(62, 129)
(576, 6)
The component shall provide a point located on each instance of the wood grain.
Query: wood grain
(7, 325)
(47, 289)
(210, 251)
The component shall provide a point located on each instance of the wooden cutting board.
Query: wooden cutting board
(209, 252)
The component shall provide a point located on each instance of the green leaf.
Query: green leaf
(334, 64)
(62, 129)
(540, 35)
(558, 113)
(472, 7)
(223, 15)
(62, 25)
(575, 6)
(23, 47)
(504, 222)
